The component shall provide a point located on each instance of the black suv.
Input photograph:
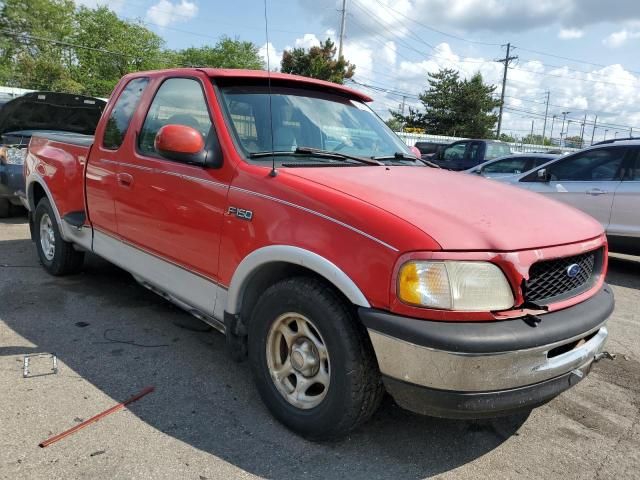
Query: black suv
(465, 154)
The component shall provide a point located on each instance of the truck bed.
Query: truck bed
(59, 158)
(66, 137)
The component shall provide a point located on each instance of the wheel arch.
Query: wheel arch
(269, 264)
(37, 189)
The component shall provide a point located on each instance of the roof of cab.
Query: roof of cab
(262, 74)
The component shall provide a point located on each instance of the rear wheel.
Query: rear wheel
(313, 362)
(56, 255)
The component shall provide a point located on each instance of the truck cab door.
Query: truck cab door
(107, 153)
(169, 209)
(586, 180)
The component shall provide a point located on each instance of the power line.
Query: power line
(436, 30)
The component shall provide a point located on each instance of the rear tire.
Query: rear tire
(313, 362)
(57, 256)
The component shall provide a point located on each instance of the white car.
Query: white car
(602, 181)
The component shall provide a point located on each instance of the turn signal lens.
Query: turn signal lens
(450, 285)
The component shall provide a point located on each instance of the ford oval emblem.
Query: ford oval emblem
(573, 270)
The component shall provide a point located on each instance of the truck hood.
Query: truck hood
(460, 212)
(51, 111)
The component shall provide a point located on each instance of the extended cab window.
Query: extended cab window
(178, 101)
(122, 112)
(599, 164)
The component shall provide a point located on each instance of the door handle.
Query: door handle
(596, 191)
(124, 180)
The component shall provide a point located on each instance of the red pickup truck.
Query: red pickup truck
(285, 213)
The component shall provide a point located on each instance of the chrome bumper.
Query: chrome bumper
(481, 372)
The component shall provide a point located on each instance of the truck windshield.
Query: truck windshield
(307, 121)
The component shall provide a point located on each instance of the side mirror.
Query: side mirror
(185, 144)
(416, 151)
(543, 175)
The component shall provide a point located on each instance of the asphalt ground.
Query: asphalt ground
(205, 420)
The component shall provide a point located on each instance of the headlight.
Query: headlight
(15, 156)
(450, 285)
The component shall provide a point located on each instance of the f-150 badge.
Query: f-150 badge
(240, 213)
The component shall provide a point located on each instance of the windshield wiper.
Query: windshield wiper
(316, 152)
(404, 156)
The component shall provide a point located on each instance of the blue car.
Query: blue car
(38, 112)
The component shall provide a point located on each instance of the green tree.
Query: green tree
(394, 124)
(318, 62)
(113, 48)
(507, 138)
(454, 106)
(33, 53)
(226, 53)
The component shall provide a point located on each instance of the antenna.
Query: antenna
(273, 171)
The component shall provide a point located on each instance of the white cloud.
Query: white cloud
(164, 12)
(618, 39)
(389, 53)
(275, 56)
(477, 15)
(570, 33)
(307, 41)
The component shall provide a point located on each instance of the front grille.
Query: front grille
(549, 280)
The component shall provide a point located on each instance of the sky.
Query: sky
(583, 52)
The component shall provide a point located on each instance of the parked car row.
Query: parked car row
(38, 112)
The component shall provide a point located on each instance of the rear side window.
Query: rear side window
(495, 150)
(593, 165)
(178, 101)
(122, 112)
(632, 172)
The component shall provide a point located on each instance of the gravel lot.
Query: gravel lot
(205, 420)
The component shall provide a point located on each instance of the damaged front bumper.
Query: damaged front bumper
(479, 369)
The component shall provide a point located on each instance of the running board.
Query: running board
(208, 319)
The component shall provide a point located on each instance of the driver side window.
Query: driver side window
(593, 165)
(178, 101)
(455, 152)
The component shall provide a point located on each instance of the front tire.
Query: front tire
(57, 256)
(313, 363)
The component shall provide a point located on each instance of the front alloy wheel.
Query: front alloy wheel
(298, 360)
(312, 359)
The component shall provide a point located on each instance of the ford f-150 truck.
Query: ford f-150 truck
(282, 211)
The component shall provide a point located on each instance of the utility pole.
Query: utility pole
(531, 136)
(546, 112)
(506, 60)
(593, 132)
(343, 23)
(564, 117)
(404, 98)
(584, 122)
(553, 120)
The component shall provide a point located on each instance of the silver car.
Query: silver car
(603, 181)
(511, 164)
